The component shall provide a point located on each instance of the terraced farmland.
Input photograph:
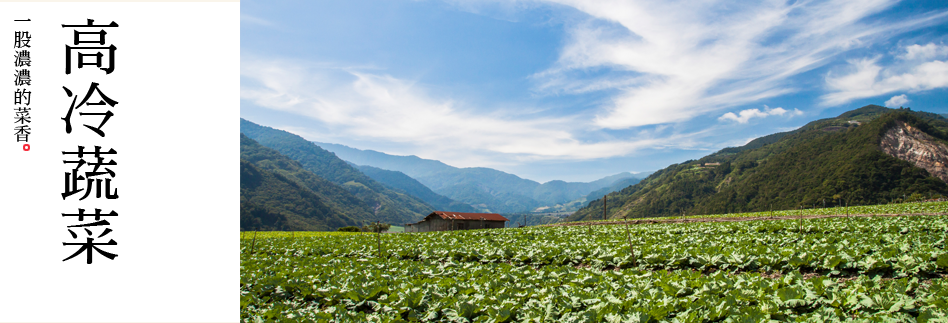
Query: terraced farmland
(841, 268)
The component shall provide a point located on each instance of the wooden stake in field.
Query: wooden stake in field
(378, 227)
(800, 221)
(628, 234)
(604, 197)
(253, 242)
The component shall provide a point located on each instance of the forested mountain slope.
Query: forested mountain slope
(278, 194)
(388, 205)
(270, 201)
(836, 160)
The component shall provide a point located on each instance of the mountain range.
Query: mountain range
(289, 183)
(399, 181)
(485, 189)
(869, 155)
(372, 201)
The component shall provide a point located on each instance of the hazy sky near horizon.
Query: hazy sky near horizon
(580, 89)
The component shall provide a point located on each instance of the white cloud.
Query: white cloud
(351, 103)
(745, 115)
(866, 79)
(926, 52)
(675, 60)
(897, 101)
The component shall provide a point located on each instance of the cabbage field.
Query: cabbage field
(863, 210)
(827, 269)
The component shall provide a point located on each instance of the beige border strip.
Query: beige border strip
(120, 1)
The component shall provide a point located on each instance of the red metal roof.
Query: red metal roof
(467, 216)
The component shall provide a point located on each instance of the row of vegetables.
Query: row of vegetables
(885, 268)
(894, 246)
(343, 289)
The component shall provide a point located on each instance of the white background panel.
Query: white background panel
(175, 132)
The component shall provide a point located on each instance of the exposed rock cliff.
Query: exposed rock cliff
(910, 144)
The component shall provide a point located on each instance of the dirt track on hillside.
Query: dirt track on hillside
(730, 219)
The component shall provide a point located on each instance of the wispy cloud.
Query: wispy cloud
(354, 103)
(673, 61)
(648, 69)
(919, 70)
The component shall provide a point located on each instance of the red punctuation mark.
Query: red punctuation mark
(26, 147)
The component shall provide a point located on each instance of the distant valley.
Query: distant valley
(486, 189)
(399, 181)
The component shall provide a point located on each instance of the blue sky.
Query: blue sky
(576, 90)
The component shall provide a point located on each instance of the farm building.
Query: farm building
(449, 221)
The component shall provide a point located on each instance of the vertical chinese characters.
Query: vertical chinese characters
(21, 83)
(90, 173)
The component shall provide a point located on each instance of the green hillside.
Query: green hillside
(836, 160)
(400, 181)
(339, 207)
(390, 206)
(271, 201)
